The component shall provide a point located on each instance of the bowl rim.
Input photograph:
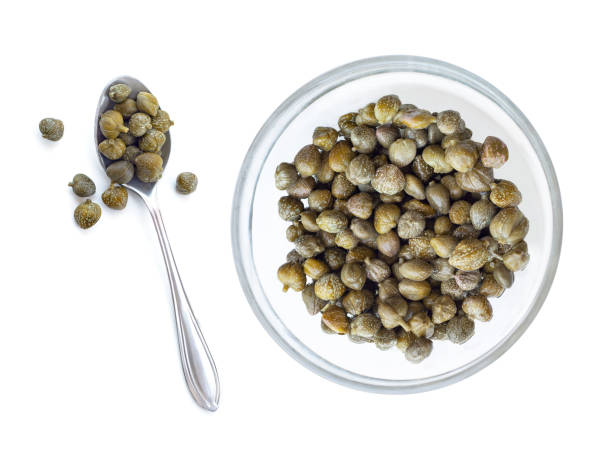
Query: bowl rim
(242, 213)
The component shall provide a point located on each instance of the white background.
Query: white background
(87, 345)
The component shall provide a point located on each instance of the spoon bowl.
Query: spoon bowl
(198, 365)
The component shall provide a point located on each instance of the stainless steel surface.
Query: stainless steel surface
(198, 365)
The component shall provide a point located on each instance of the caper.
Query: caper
(414, 187)
(346, 123)
(87, 214)
(329, 287)
(341, 187)
(469, 255)
(325, 174)
(460, 329)
(315, 268)
(435, 157)
(111, 124)
(359, 254)
(289, 208)
(403, 339)
(415, 119)
(388, 244)
(517, 258)
(120, 172)
(451, 184)
(438, 197)
(402, 152)
(503, 275)
(152, 141)
(451, 288)
(443, 225)
(292, 276)
(376, 269)
(139, 124)
(388, 180)
(112, 149)
(365, 325)
(421, 169)
(319, 200)
(340, 156)
(440, 331)
(505, 194)
(481, 213)
(51, 128)
(285, 176)
(465, 231)
(361, 170)
(361, 205)
(161, 121)
(509, 226)
(324, 137)
(443, 309)
(131, 153)
(115, 197)
(467, 280)
(490, 287)
(126, 108)
(82, 185)
(308, 245)
(346, 239)
(388, 288)
(478, 179)
(366, 116)
(353, 275)
(421, 325)
(128, 139)
(494, 152)
(118, 93)
(384, 339)
(294, 256)
(459, 212)
(441, 270)
(386, 135)
(421, 246)
(415, 270)
(462, 156)
(308, 161)
(418, 135)
(444, 245)
(414, 290)
(386, 108)
(390, 317)
(308, 221)
(335, 258)
(311, 302)
(477, 307)
(332, 221)
(357, 301)
(294, 231)
(411, 224)
(363, 139)
(419, 350)
(335, 319)
(434, 136)
(328, 238)
(147, 103)
(450, 122)
(302, 187)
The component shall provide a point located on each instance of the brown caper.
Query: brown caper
(361, 170)
(460, 329)
(419, 350)
(358, 301)
(505, 194)
(346, 239)
(131, 153)
(115, 197)
(477, 307)
(363, 139)
(388, 180)
(451, 288)
(289, 208)
(440, 331)
(325, 174)
(87, 214)
(503, 275)
(324, 137)
(335, 258)
(359, 254)
(465, 231)
(112, 149)
(302, 187)
(51, 129)
(308, 221)
(402, 152)
(414, 187)
(82, 185)
(390, 317)
(387, 134)
(328, 238)
(365, 326)
(294, 231)
(329, 287)
(294, 256)
(308, 161)
(494, 152)
(388, 288)
(403, 338)
(311, 302)
(147, 103)
(418, 135)
(435, 157)
(443, 225)
(388, 244)
(152, 141)
(332, 221)
(340, 156)
(353, 275)
(308, 245)
(361, 205)
(509, 226)
(421, 246)
(119, 92)
(335, 319)
(319, 200)
(459, 212)
(517, 258)
(469, 255)
(315, 268)
(441, 270)
(411, 224)
(386, 217)
(434, 136)
(481, 213)
(285, 176)
(444, 245)
(415, 119)
(139, 124)
(129, 140)
(341, 187)
(438, 197)
(376, 269)
(450, 122)
(421, 169)
(111, 124)
(462, 156)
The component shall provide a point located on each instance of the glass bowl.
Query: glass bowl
(258, 234)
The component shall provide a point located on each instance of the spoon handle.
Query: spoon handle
(198, 365)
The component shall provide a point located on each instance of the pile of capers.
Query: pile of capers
(401, 231)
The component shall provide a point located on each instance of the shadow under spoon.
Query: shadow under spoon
(198, 365)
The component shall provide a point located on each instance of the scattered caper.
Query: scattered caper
(51, 128)
(376, 269)
(359, 254)
(416, 270)
(388, 244)
(462, 156)
(478, 179)
(308, 161)
(414, 187)
(335, 258)
(503, 275)
(459, 212)
(87, 214)
(386, 108)
(490, 287)
(442, 270)
(421, 169)
(411, 224)
(82, 185)
(294, 231)
(361, 205)
(389, 316)
(469, 255)
(340, 156)
(444, 245)
(346, 123)
(115, 197)
(450, 182)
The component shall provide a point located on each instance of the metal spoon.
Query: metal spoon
(198, 365)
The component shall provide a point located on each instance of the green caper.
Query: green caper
(357, 301)
(467, 280)
(324, 137)
(366, 115)
(415, 119)
(481, 213)
(450, 122)
(384, 339)
(149, 167)
(365, 325)
(411, 224)
(477, 307)
(285, 176)
(340, 156)
(363, 139)
(361, 170)
(462, 156)
(308, 220)
(115, 197)
(505, 194)
(478, 179)
(315, 268)
(292, 276)
(421, 325)
(309, 245)
(82, 185)
(387, 134)
(460, 329)
(341, 187)
(126, 108)
(332, 221)
(335, 318)
(361, 205)
(421, 169)
(388, 244)
(87, 214)
(118, 93)
(131, 153)
(419, 350)
(152, 141)
(186, 183)
(438, 197)
(111, 124)
(112, 149)
(319, 200)
(494, 152)
(139, 124)
(402, 152)
(308, 161)
(147, 103)
(388, 180)
(311, 302)
(346, 123)
(443, 308)
(376, 269)
(517, 258)
(161, 121)
(302, 187)
(51, 128)
(329, 287)
(335, 258)
(509, 226)
(120, 172)
(386, 108)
